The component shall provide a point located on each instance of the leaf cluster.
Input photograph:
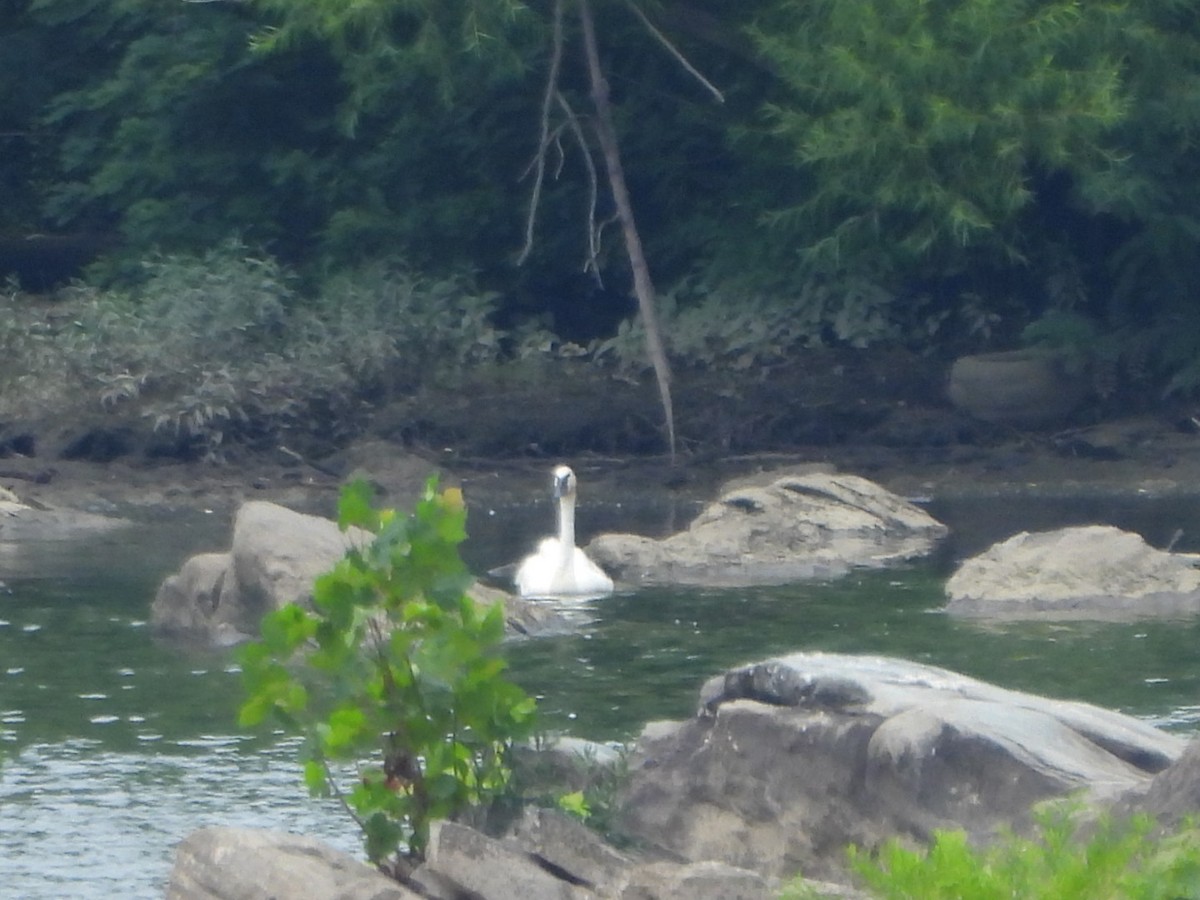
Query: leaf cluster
(394, 677)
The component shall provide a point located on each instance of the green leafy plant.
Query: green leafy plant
(1112, 859)
(223, 349)
(1072, 337)
(746, 329)
(394, 678)
(575, 804)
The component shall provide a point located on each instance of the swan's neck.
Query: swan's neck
(566, 523)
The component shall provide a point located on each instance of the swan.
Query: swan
(558, 568)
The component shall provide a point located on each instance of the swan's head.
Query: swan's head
(564, 482)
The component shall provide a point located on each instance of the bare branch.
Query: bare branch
(674, 51)
(544, 138)
(592, 263)
(643, 286)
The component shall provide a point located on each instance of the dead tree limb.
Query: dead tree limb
(544, 138)
(643, 286)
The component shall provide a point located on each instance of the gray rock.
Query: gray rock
(278, 553)
(560, 765)
(495, 870)
(797, 527)
(256, 864)
(570, 846)
(21, 522)
(553, 856)
(1174, 794)
(1093, 571)
(697, 881)
(275, 556)
(792, 759)
(189, 603)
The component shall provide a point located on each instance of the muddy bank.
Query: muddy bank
(1143, 456)
(881, 415)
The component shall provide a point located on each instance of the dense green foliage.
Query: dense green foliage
(221, 350)
(394, 677)
(921, 121)
(1000, 158)
(1116, 861)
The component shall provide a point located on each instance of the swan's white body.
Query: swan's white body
(558, 568)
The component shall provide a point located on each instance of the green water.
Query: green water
(646, 655)
(113, 746)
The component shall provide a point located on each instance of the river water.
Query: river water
(113, 746)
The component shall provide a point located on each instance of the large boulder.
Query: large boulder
(797, 527)
(1093, 571)
(275, 556)
(791, 759)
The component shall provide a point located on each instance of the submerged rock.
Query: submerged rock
(797, 527)
(22, 521)
(1093, 571)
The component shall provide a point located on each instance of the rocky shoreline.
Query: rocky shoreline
(1135, 456)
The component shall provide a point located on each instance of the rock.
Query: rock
(797, 527)
(1093, 571)
(552, 856)
(557, 765)
(275, 556)
(188, 604)
(21, 522)
(792, 759)
(493, 869)
(1018, 387)
(1174, 794)
(570, 846)
(255, 864)
(697, 881)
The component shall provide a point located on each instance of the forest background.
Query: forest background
(286, 217)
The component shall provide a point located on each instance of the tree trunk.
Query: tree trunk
(643, 287)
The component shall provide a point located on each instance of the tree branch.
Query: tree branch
(544, 138)
(674, 51)
(643, 286)
(592, 263)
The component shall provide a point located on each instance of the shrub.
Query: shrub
(224, 348)
(745, 329)
(1115, 860)
(395, 675)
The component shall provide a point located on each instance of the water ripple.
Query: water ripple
(72, 810)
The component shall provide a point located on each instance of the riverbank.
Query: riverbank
(1136, 456)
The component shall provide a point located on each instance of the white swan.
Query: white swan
(558, 568)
